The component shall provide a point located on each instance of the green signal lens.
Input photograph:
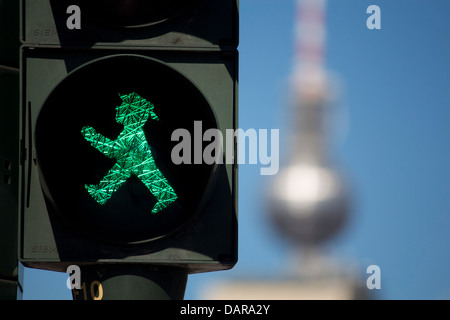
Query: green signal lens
(132, 152)
(106, 167)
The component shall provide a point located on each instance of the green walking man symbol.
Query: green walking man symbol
(132, 152)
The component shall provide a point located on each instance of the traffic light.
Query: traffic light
(105, 84)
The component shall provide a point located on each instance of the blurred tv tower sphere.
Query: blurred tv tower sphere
(308, 202)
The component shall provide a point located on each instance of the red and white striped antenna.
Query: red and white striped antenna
(310, 32)
(309, 78)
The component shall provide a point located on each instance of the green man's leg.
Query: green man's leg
(110, 183)
(158, 185)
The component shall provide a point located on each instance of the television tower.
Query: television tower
(309, 197)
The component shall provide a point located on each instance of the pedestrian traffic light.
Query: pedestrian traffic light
(105, 84)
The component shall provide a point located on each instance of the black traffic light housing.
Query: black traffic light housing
(182, 58)
(191, 24)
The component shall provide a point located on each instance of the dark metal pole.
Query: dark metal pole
(9, 147)
(131, 282)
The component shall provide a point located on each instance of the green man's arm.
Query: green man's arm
(99, 142)
(153, 115)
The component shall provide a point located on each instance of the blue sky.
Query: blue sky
(392, 140)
